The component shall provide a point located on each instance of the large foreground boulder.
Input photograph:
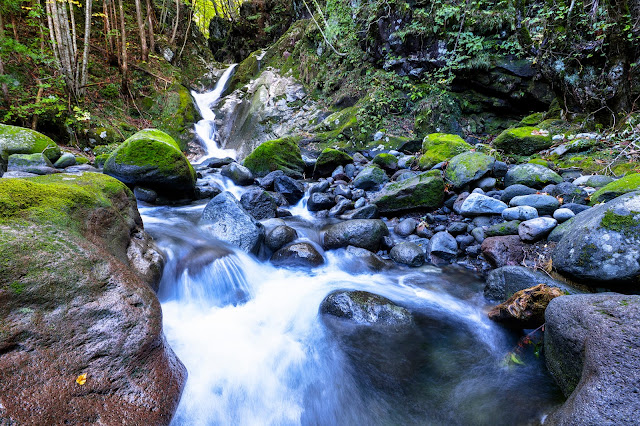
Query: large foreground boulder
(423, 191)
(153, 160)
(76, 299)
(591, 348)
(602, 244)
(225, 219)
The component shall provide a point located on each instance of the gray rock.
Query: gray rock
(457, 203)
(37, 164)
(468, 167)
(365, 212)
(406, 227)
(371, 177)
(342, 206)
(259, 203)
(216, 163)
(407, 253)
(17, 175)
(514, 191)
(544, 204)
(477, 204)
(145, 195)
(487, 184)
(372, 260)
(591, 346)
(320, 201)
(456, 228)
(363, 308)
(225, 219)
(344, 191)
(301, 254)
(536, 229)
(570, 193)
(363, 233)
(238, 173)
(322, 186)
(503, 282)
(500, 169)
(504, 228)
(594, 181)
(465, 241)
(520, 213)
(602, 244)
(290, 188)
(478, 234)
(532, 175)
(443, 245)
(503, 251)
(576, 208)
(66, 159)
(267, 181)
(562, 215)
(279, 236)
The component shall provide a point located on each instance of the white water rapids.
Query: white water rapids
(258, 351)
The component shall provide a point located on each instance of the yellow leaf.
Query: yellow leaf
(82, 379)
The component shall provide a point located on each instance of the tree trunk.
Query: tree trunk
(108, 37)
(87, 40)
(144, 50)
(124, 67)
(175, 24)
(5, 88)
(150, 23)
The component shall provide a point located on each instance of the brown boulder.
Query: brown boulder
(72, 303)
(525, 309)
(503, 251)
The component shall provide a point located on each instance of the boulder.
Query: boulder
(365, 212)
(77, 298)
(341, 207)
(370, 259)
(280, 236)
(594, 181)
(300, 254)
(280, 154)
(67, 159)
(20, 140)
(388, 162)
(591, 349)
(602, 244)
(536, 229)
(363, 308)
(443, 246)
(531, 175)
(225, 219)
(152, 159)
(320, 201)
(478, 205)
(501, 229)
(407, 253)
(328, 160)
(370, 178)
(37, 164)
(468, 167)
(544, 204)
(503, 282)
(525, 309)
(519, 213)
(562, 215)
(503, 251)
(514, 191)
(363, 233)
(406, 227)
(291, 189)
(439, 147)
(570, 193)
(617, 188)
(259, 203)
(420, 192)
(523, 141)
(239, 174)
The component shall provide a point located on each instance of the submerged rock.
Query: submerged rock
(525, 309)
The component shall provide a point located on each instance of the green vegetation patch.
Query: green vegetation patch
(523, 140)
(438, 147)
(278, 154)
(615, 189)
(626, 224)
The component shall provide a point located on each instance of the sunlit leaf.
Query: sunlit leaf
(82, 379)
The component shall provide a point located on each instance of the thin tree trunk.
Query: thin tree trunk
(186, 36)
(15, 28)
(108, 40)
(114, 19)
(5, 88)
(49, 12)
(124, 67)
(87, 40)
(144, 50)
(175, 24)
(150, 20)
(34, 120)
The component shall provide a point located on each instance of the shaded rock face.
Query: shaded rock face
(503, 282)
(363, 233)
(503, 251)
(525, 309)
(71, 302)
(259, 203)
(602, 244)
(407, 253)
(531, 175)
(591, 349)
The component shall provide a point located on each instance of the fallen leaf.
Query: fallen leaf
(82, 379)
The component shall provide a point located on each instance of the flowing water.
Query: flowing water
(259, 353)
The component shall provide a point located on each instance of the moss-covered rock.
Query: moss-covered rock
(278, 154)
(523, 140)
(386, 161)
(532, 119)
(328, 160)
(502, 229)
(617, 188)
(19, 140)
(370, 178)
(100, 160)
(541, 162)
(419, 192)
(152, 159)
(439, 147)
(468, 167)
(531, 175)
(37, 164)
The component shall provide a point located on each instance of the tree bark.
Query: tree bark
(87, 40)
(150, 22)
(175, 24)
(144, 50)
(124, 67)
(5, 88)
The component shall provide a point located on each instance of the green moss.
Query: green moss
(439, 147)
(617, 188)
(19, 140)
(523, 141)
(328, 160)
(532, 119)
(419, 192)
(625, 168)
(279, 154)
(540, 162)
(386, 161)
(82, 160)
(100, 160)
(467, 167)
(173, 111)
(625, 224)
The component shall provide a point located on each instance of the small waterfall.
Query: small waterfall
(206, 128)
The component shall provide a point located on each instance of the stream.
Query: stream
(258, 351)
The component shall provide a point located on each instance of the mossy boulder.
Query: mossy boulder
(468, 167)
(71, 287)
(617, 188)
(386, 161)
(152, 159)
(531, 175)
(37, 164)
(439, 147)
(523, 140)
(328, 160)
(532, 119)
(19, 140)
(423, 191)
(278, 154)
(370, 178)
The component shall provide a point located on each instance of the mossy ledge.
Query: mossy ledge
(278, 154)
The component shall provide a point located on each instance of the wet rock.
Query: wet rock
(259, 203)
(500, 169)
(406, 227)
(503, 282)
(363, 233)
(590, 345)
(372, 260)
(468, 167)
(279, 236)
(66, 159)
(464, 241)
(205, 191)
(520, 213)
(420, 192)
(456, 228)
(37, 164)
(320, 201)
(478, 205)
(407, 253)
(225, 219)
(291, 189)
(514, 191)
(504, 228)
(145, 195)
(536, 229)
(443, 245)
(503, 251)
(525, 309)
(239, 174)
(544, 204)
(344, 191)
(370, 178)
(365, 212)
(363, 308)
(562, 215)
(328, 160)
(301, 254)
(602, 244)
(342, 206)
(478, 234)
(532, 175)
(145, 258)
(267, 181)
(216, 163)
